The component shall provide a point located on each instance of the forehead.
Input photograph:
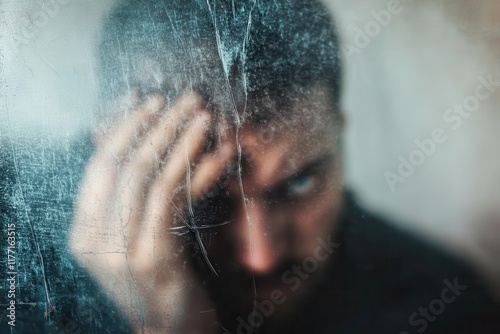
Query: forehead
(295, 104)
(306, 117)
(280, 146)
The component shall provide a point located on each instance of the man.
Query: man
(213, 201)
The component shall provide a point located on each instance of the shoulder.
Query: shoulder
(397, 280)
(376, 244)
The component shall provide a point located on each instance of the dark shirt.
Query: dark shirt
(385, 280)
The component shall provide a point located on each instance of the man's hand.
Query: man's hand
(133, 194)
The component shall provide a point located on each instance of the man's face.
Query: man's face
(286, 196)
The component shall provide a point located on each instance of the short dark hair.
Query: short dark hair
(230, 51)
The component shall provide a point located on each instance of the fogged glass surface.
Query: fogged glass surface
(248, 167)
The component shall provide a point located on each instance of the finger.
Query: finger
(97, 197)
(154, 147)
(211, 168)
(185, 108)
(154, 243)
(146, 162)
(187, 152)
(130, 130)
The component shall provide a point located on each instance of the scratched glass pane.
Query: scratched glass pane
(216, 166)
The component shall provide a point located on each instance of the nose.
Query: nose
(256, 250)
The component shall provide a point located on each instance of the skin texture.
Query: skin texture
(151, 182)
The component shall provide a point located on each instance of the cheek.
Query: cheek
(314, 219)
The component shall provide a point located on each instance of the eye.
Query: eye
(301, 185)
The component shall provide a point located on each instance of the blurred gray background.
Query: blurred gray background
(400, 80)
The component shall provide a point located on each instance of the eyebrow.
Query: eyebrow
(318, 163)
